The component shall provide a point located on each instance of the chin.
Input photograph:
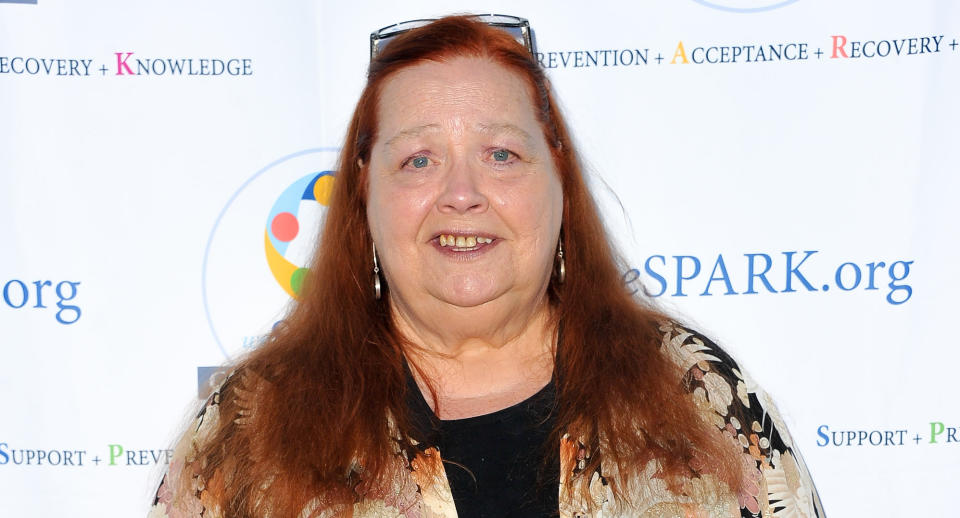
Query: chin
(467, 303)
(467, 300)
(470, 293)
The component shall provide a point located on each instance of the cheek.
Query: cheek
(395, 215)
(537, 208)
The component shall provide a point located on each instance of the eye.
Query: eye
(416, 162)
(502, 155)
(420, 162)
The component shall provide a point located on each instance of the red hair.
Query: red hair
(311, 404)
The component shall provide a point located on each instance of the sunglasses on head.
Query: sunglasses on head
(517, 27)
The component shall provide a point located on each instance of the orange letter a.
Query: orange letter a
(680, 53)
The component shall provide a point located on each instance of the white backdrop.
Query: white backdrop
(139, 195)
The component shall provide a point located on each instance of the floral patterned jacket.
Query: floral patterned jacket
(778, 483)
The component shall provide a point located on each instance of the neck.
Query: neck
(468, 365)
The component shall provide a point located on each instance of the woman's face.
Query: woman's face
(465, 203)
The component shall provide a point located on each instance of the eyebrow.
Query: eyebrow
(489, 129)
(506, 127)
(410, 133)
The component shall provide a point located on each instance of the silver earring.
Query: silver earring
(562, 270)
(376, 273)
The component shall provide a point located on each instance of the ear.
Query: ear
(360, 163)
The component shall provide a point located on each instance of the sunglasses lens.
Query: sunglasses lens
(401, 27)
(499, 19)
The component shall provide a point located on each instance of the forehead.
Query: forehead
(466, 93)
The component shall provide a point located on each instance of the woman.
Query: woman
(484, 352)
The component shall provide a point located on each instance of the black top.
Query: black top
(498, 464)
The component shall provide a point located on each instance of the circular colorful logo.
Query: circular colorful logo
(251, 274)
(288, 240)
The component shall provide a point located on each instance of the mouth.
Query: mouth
(459, 243)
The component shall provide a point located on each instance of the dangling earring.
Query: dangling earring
(376, 273)
(562, 270)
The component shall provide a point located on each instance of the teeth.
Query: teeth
(463, 241)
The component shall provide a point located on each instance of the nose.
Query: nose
(461, 193)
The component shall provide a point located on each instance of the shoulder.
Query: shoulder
(711, 374)
(689, 349)
(728, 398)
(183, 492)
(180, 492)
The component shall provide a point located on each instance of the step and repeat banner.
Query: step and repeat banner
(783, 175)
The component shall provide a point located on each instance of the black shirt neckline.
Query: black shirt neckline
(497, 464)
(539, 402)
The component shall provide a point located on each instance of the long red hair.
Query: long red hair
(312, 402)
